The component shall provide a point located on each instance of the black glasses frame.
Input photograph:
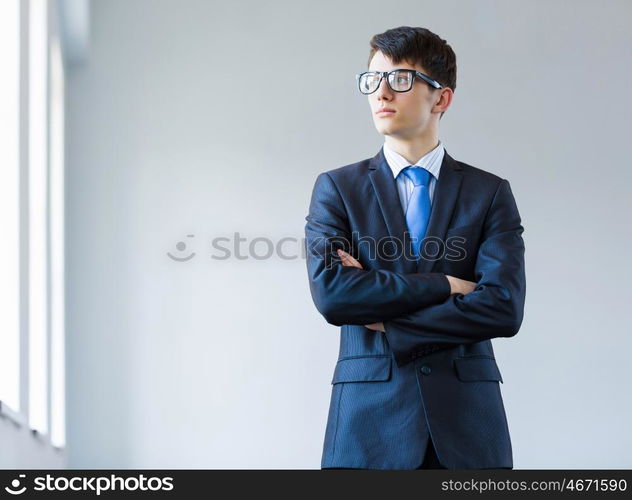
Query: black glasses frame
(385, 74)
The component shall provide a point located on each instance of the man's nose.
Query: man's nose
(383, 89)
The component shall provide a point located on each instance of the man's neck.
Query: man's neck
(413, 150)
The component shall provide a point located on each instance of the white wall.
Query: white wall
(227, 364)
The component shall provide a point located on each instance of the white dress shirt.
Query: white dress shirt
(431, 161)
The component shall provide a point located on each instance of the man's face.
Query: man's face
(412, 117)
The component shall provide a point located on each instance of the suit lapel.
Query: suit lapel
(385, 188)
(445, 195)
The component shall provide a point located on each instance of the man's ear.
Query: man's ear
(445, 93)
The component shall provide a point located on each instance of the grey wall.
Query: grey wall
(193, 117)
(24, 449)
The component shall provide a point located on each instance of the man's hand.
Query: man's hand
(348, 260)
(457, 285)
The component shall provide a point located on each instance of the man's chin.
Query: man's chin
(384, 124)
(386, 129)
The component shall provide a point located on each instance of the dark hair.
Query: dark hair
(418, 46)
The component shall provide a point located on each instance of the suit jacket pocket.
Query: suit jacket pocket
(472, 369)
(363, 369)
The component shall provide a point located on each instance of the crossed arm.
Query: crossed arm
(346, 294)
(415, 310)
(457, 285)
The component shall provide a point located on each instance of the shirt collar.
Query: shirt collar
(431, 161)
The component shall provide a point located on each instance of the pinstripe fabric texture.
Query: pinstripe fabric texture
(433, 373)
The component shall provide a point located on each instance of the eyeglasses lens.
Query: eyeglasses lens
(400, 81)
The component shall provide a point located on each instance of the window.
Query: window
(10, 204)
(38, 181)
(32, 267)
(57, 271)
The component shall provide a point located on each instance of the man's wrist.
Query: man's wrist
(445, 283)
(451, 283)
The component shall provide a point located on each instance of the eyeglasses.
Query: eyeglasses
(399, 80)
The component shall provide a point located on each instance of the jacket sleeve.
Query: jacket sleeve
(495, 307)
(349, 295)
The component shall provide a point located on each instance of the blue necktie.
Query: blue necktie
(418, 211)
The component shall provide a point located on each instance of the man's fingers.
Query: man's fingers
(379, 327)
(470, 286)
(348, 260)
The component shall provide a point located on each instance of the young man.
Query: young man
(419, 259)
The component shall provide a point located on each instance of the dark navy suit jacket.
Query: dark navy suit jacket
(432, 375)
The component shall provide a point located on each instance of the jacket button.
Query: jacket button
(425, 369)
